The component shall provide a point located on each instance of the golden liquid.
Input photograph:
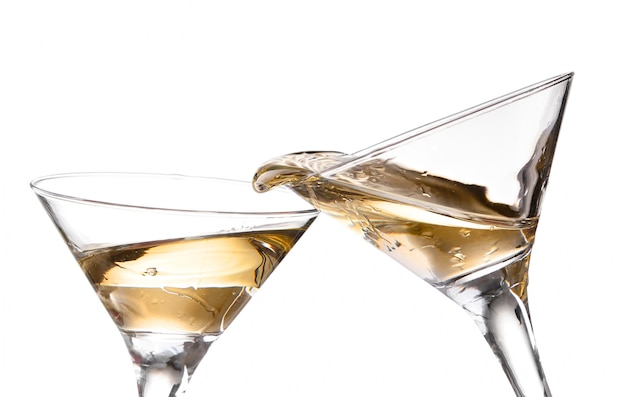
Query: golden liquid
(187, 286)
(440, 229)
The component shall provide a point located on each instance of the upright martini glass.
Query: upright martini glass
(173, 259)
(457, 202)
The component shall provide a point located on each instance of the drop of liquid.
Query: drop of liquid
(151, 271)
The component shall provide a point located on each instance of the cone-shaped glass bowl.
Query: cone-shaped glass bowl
(173, 259)
(457, 202)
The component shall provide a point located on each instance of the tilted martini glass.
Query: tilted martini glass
(457, 202)
(173, 259)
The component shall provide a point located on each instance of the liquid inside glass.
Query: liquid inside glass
(442, 230)
(184, 286)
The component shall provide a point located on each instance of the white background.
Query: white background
(216, 88)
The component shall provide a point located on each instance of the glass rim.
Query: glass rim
(307, 209)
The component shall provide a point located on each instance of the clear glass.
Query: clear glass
(172, 258)
(457, 202)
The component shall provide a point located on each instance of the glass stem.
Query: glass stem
(164, 364)
(504, 320)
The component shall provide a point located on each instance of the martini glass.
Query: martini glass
(457, 202)
(173, 259)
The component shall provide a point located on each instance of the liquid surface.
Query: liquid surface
(187, 286)
(440, 229)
